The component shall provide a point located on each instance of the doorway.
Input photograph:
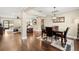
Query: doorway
(6, 24)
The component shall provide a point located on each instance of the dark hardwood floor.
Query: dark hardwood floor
(76, 43)
(12, 42)
(34, 44)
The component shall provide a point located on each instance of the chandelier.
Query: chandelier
(54, 13)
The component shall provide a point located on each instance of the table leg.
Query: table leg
(62, 39)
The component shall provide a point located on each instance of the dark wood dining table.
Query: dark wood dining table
(54, 33)
(60, 32)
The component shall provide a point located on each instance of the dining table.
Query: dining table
(54, 33)
(58, 32)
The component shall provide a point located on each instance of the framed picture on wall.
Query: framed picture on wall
(59, 20)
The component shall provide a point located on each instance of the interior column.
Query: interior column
(24, 26)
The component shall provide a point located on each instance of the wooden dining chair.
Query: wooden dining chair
(63, 35)
(49, 32)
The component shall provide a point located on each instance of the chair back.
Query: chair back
(56, 28)
(65, 32)
(49, 31)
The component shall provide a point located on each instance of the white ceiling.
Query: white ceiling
(15, 11)
(10, 11)
(48, 10)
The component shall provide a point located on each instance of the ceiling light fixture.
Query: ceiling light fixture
(54, 13)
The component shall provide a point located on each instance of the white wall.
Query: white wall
(34, 14)
(37, 26)
(48, 22)
(17, 23)
(70, 22)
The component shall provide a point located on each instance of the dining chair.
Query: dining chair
(56, 28)
(49, 33)
(63, 36)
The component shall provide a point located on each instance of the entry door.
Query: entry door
(6, 24)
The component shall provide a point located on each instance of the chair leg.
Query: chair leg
(61, 41)
(65, 40)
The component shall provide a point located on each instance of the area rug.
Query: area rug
(57, 43)
(68, 47)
